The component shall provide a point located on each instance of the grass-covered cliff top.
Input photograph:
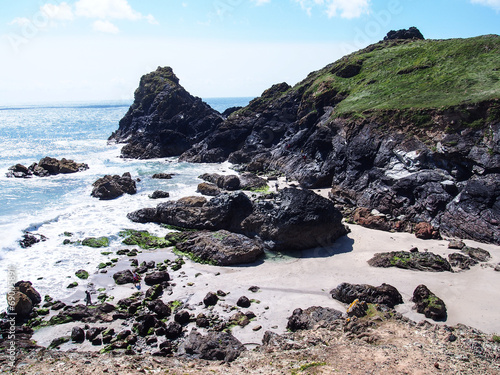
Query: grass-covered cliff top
(410, 74)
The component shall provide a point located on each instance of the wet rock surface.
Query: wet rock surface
(47, 166)
(112, 187)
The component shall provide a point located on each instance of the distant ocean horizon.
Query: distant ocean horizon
(54, 205)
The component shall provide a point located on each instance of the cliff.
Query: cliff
(407, 127)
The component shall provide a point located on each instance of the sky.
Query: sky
(95, 50)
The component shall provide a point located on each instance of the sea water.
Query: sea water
(56, 205)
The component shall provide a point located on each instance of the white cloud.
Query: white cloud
(20, 21)
(261, 2)
(495, 4)
(105, 27)
(345, 8)
(105, 9)
(62, 12)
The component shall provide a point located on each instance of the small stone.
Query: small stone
(256, 328)
(243, 302)
(254, 289)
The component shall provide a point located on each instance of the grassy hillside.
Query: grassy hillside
(410, 74)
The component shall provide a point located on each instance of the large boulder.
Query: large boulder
(221, 248)
(47, 166)
(164, 120)
(111, 187)
(429, 304)
(411, 33)
(417, 261)
(20, 304)
(123, 277)
(307, 319)
(216, 346)
(207, 188)
(156, 278)
(26, 287)
(384, 294)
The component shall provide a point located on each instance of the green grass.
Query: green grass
(308, 366)
(496, 339)
(419, 75)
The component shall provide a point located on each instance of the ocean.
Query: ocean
(54, 205)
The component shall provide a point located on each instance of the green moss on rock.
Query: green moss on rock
(96, 242)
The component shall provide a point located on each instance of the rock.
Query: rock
(429, 304)
(26, 287)
(210, 299)
(93, 332)
(461, 261)
(77, 334)
(209, 189)
(202, 321)
(425, 231)
(96, 242)
(158, 277)
(159, 194)
(47, 167)
(20, 303)
(164, 120)
(250, 181)
(182, 317)
(154, 292)
(254, 289)
(162, 176)
(146, 324)
(19, 171)
(357, 308)
(239, 319)
(384, 294)
(225, 182)
(411, 33)
(54, 344)
(307, 319)
(413, 261)
(123, 277)
(29, 239)
(363, 216)
(112, 187)
(221, 248)
(159, 308)
(476, 253)
(456, 244)
(173, 331)
(243, 302)
(82, 274)
(220, 346)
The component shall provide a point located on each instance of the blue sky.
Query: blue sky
(76, 50)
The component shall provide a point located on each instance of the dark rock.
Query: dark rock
(146, 324)
(210, 299)
(21, 304)
(162, 176)
(159, 194)
(384, 294)
(477, 254)
(19, 171)
(123, 277)
(225, 182)
(239, 319)
(230, 111)
(57, 342)
(154, 292)
(357, 308)
(112, 187)
(156, 278)
(307, 319)
(182, 317)
(77, 334)
(363, 216)
(209, 189)
(164, 120)
(26, 287)
(413, 261)
(461, 261)
(173, 331)
(243, 302)
(221, 293)
(220, 346)
(254, 289)
(250, 181)
(411, 33)
(159, 308)
(29, 239)
(93, 332)
(202, 321)
(106, 308)
(221, 248)
(456, 244)
(47, 167)
(429, 304)
(425, 231)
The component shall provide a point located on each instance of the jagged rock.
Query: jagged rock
(29, 239)
(159, 194)
(19, 171)
(112, 187)
(27, 288)
(162, 176)
(93, 332)
(146, 324)
(243, 302)
(476, 253)
(411, 33)
(221, 346)
(456, 244)
(123, 277)
(210, 299)
(77, 334)
(173, 331)
(47, 166)
(412, 261)
(158, 277)
(154, 292)
(461, 261)
(222, 248)
(250, 181)
(384, 294)
(202, 321)
(357, 308)
(209, 189)
(316, 315)
(159, 308)
(182, 317)
(225, 182)
(425, 231)
(164, 120)
(20, 303)
(363, 216)
(429, 304)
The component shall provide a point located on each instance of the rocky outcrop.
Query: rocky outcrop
(311, 317)
(296, 219)
(411, 33)
(123, 277)
(164, 120)
(221, 346)
(221, 248)
(46, 167)
(29, 239)
(417, 261)
(384, 294)
(112, 187)
(429, 304)
(209, 189)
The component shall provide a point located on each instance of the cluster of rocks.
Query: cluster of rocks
(47, 166)
(296, 219)
(112, 187)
